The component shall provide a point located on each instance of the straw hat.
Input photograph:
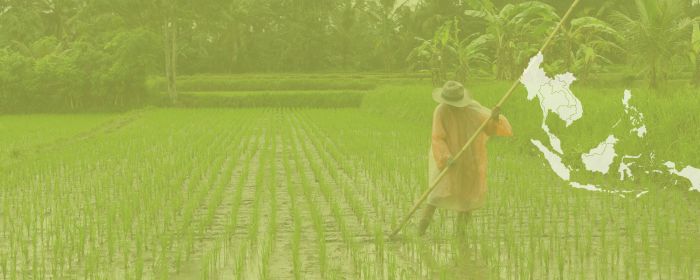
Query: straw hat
(453, 94)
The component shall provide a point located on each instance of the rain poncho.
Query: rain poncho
(464, 186)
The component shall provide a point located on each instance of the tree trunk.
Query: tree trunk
(696, 80)
(170, 47)
(58, 20)
(461, 74)
(436, 70)
(653, 83)
(235, 50)
(501, 64)
(173, 65)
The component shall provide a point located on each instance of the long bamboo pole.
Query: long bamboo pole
(480, 129)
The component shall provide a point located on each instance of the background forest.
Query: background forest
(76, 55)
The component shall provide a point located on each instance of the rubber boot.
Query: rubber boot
(463, 220)
(426, 219)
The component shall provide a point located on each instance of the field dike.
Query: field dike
(110, 126)
(270, 99)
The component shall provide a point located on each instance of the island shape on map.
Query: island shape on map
(599, 158)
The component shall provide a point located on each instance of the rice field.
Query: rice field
(285, 192)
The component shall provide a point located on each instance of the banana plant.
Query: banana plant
(447, 52)
(436, 54)
(589, 42)
(517, 30)
(472, 53)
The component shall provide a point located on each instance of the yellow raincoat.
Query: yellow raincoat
(464, 186)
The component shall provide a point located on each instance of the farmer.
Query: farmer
(456, 119)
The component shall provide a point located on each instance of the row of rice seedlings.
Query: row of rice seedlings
(195, 208)
(229, 232)
(251, 148)
(239, 184)
(195, 198)
(253, 241)
(212, 260)
(326, 187)
(166, 238)
(295, 211)
(387, 258)
(296, 244)
(183, 229)
(385, 166)
(310, 201)
(244, 246)
(384, 264)
(328, 154)
(221, 184)
(384, 259)
(270, 186)
(162, 265)
(210, 263)
(359, 259)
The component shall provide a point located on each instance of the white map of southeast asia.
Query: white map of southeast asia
(556, 98)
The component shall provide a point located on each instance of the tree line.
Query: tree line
(76, 54)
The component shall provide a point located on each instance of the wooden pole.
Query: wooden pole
(479, 130)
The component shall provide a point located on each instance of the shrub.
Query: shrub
(58, 80)
(248, 84)
(80, 76)
(16, 74)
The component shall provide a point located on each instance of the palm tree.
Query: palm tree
(385, 14)
(695, 54)
(656, 36)
(516, 28)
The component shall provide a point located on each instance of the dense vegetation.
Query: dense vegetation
(63, 55)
